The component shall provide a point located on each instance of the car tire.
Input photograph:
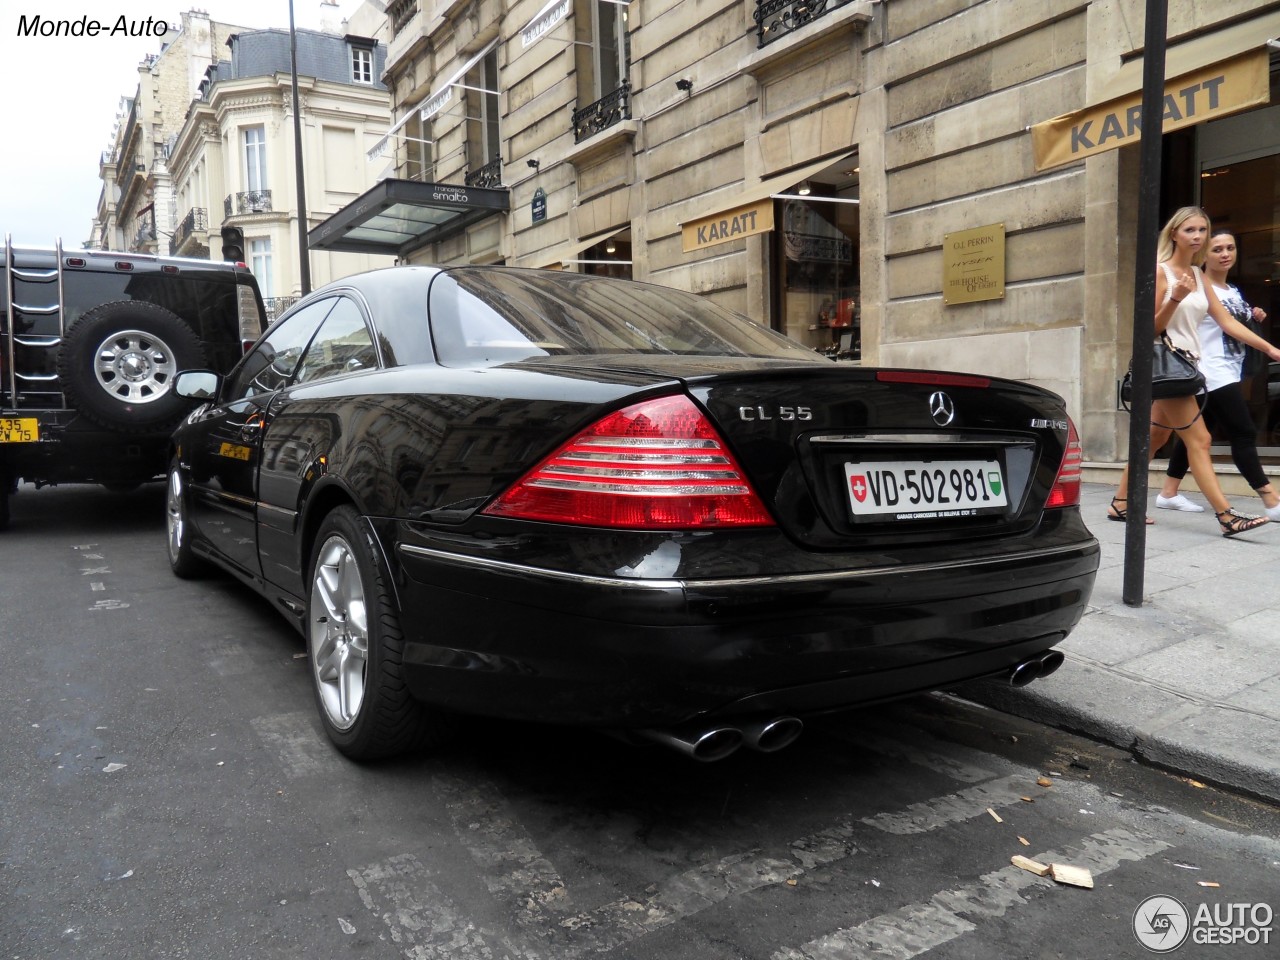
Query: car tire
(4, 508)
(356, 648)
(182, 560)
(118, 361)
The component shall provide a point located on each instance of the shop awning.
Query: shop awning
(1211, 77)
(748, 212)
(432, 104)
(568, 252)
(398, 216)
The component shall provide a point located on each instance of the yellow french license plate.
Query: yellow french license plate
(19, 429)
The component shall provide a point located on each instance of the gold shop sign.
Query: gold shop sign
(732, 224)
(1205, 94)
(973, 265)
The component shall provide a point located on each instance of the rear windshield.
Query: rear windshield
(484, 317)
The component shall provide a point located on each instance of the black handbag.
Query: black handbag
(1255, 361)
(1173, 374)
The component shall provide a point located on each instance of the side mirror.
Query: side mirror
(197, 384)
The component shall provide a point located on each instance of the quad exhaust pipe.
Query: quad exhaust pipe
(1035, 668)
(717, 741)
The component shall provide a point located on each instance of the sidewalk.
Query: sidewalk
(1191, 679)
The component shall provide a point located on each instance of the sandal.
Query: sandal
(1238, 522)
(1120, 515)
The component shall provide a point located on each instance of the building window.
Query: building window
(612, 47)
(418, 163)
(484, 143)
(255, 159)
(260, 264)
(361, 65)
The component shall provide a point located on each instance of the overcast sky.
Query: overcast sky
(61, 95)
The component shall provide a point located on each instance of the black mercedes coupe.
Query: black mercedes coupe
(570, 499)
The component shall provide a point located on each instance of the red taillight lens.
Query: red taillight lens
(1066, 488)
(657, 464)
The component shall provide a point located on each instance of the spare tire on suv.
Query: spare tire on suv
(90, 344)
(118, 362)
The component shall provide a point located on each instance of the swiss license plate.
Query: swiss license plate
(19, 429)
(925, 489)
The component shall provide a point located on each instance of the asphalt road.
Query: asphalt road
(167, 793)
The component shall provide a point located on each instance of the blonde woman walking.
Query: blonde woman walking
(1182, 299)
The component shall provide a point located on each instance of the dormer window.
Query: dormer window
(361, 65)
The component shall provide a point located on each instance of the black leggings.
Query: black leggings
(1226, 407)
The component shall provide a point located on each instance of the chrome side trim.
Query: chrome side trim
(628, 583)
(283, 511)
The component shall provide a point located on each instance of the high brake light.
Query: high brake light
(1066, 487)
(659, 464)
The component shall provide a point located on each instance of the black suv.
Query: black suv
(89, 346)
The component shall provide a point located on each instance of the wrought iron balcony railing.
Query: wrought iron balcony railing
(602, 114)
(490, 175)
(251, 201)
(278, 305)
(197, 218)
(776, 19)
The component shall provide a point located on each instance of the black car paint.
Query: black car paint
(562, 623)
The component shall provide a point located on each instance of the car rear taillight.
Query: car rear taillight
(657, 464)
(1066, 488)
(250, 316)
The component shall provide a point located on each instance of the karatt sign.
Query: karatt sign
(743, 221)
(1206, 94)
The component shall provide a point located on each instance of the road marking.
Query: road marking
(954, 807)
(301, 750)
(92, 571)
(513, 868)
(97, 587)
(917, 927)
(421, 918)
(108, 605)
(230, 659)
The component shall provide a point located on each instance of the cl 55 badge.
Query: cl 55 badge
(781, 413)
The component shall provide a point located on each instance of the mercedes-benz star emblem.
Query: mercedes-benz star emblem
(942, 408)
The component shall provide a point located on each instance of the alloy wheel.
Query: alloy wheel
(339, 633)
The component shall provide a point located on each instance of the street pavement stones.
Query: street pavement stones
(1190, 680)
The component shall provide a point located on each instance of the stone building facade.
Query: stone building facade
(210, 139)
(812, 164)
(135, 206)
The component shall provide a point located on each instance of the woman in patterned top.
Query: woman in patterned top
(1182, 300)
(1225, 406)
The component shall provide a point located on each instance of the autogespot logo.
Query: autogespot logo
(1161, 924)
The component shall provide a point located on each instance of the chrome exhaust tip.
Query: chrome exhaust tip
(704, 745)
(770, 735)
(1050, 662)
(1024, 673)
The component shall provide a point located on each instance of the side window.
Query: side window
(273, 361)
(342, 345)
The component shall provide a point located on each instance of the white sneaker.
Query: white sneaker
(1179, 502)
(1273, 513)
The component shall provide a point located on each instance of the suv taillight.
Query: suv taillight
(250, 316)
(1066, 487)
(659, 464)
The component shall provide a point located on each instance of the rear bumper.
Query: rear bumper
(511, 640)
(73, 450)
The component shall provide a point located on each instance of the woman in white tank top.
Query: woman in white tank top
(1182, 299)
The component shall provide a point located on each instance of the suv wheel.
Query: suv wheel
(118, 362)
